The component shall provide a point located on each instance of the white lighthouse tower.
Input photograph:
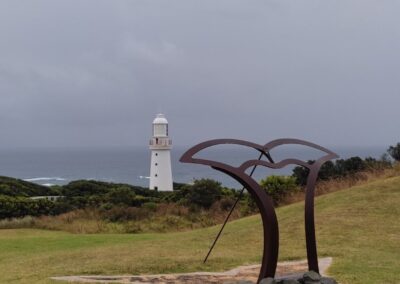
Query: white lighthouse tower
(160, 146)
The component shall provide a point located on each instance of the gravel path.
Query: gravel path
(242, 274)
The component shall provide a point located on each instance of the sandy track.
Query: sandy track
(242, 274)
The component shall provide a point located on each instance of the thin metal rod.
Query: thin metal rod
(223, 226)
(234, 205)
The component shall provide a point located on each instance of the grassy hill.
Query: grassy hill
(359, 227)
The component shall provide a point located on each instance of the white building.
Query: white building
(160, 146)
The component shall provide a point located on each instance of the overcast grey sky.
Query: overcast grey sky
(95, 73)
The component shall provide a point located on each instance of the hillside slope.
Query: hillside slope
(17, 187)
(359, 227)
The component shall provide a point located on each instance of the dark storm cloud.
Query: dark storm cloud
(96, 72)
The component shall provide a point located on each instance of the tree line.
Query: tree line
(16, 201)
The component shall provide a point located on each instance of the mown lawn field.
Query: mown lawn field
(359, 227)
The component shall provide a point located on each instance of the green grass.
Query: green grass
(358, 227)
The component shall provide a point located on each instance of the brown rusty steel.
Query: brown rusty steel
(263, 200)
(231, 211)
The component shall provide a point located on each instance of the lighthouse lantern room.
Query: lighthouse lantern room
(160, 146)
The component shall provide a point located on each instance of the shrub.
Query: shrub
(121, 196)
(349, 166)
(17, 223)
(203, 193)
(394, 152)
(151, 206)
(300, 174)
(16, 187)
(278, 187)
(14, 207)
(85, 188)
(226, 203)
(341, 168)
(118, 214)
(381, 164)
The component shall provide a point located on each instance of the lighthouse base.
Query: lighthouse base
(160, 170)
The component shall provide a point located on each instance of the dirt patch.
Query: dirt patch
(242, 274)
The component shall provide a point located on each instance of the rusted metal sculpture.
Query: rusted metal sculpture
(263, 200)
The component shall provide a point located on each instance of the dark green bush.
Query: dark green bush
(394, 152)
(341, 168)
(278, 187)
(203, 193)
(16, 187)
(121, 196)
(14, 207)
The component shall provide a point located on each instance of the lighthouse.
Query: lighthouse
(160, 146)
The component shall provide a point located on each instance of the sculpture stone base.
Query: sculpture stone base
(310, 277)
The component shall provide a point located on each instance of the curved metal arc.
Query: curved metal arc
(270, 222)
(287, 162)
(309, 220)
(263, 201)
(283, 141)
(187, 157)
(233, 208)
(278, 165)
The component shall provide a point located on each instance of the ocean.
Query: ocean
(58, 166)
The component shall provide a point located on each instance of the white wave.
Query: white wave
(48, 184)
(142, 177)
(45, 179)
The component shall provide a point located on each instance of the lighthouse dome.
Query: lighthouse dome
(160, 119)
(160, 126)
